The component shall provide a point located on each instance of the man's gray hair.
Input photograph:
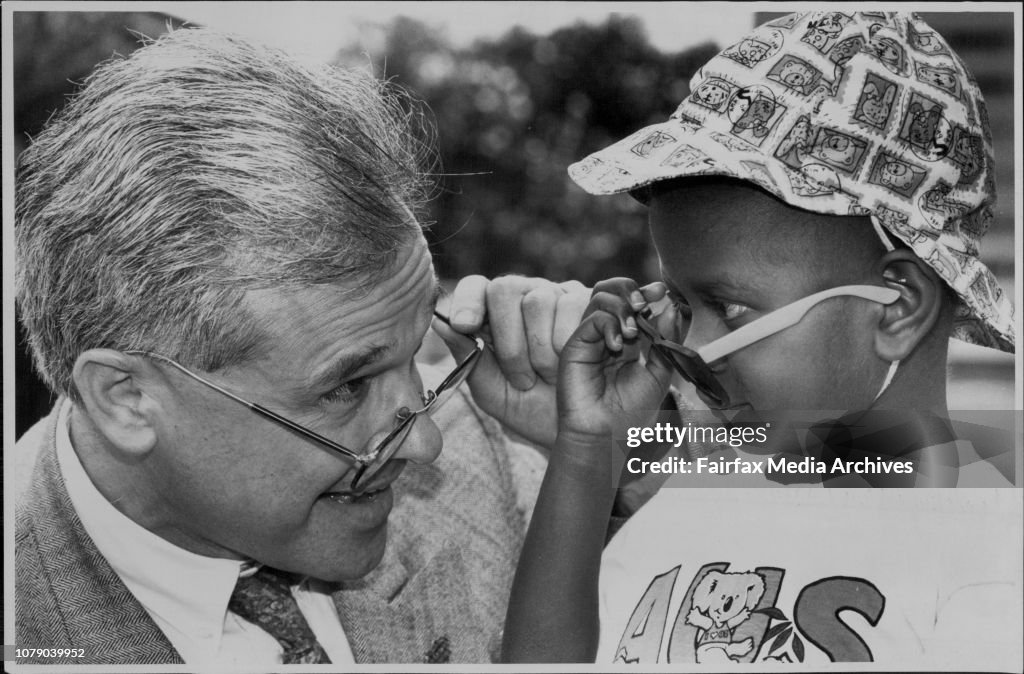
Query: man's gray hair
(201, 167)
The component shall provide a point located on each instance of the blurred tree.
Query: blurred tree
(512, 114)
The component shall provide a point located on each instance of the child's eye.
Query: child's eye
(730, 311)
(683, 316)
(684, 310)
(347, 392)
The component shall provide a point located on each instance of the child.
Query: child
(823, 157)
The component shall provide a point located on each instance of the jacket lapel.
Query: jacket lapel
(99, 614)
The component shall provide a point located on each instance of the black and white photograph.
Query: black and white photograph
(501, 336)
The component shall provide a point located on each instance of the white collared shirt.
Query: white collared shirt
(187, 594)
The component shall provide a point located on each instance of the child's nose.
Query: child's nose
(699, 333)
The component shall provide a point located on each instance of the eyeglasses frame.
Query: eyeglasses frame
(374, 459)
(699, 361)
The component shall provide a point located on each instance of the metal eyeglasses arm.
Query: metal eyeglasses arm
(787, 316)
(258, 409)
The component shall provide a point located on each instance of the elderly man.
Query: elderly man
(220, 272)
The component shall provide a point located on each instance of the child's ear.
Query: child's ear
(107, 382)
(908, 320)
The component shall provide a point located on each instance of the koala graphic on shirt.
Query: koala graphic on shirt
(721, 602)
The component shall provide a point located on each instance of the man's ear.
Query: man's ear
(908, 320)
(107, 381)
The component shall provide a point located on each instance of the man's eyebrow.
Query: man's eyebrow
(347, 365)
(344, 367)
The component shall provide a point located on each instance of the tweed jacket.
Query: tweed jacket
(439, 594)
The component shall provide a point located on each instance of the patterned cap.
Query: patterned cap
(845, 114)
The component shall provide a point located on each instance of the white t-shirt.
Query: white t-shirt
(904, 578)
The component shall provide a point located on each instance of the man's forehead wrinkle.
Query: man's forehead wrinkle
(347, 365)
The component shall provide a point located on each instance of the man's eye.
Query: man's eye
(347, 392)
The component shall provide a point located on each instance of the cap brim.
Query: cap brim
(672, 150)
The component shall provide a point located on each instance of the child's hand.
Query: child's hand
(552, 611)
(601, 377)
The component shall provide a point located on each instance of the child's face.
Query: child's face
(732, 254)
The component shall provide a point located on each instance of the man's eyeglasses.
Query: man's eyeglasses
(371, 462)
(694, 366)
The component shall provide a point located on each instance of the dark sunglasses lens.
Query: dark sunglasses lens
(686, 362)
(699, 374)
(704, 379)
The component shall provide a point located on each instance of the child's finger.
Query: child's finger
(654, 292)
(623, 287)
(617, 306)
(610, 328)
(670, 323)
(599, 329)
(659, 367)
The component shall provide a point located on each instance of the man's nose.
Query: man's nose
(423, 442)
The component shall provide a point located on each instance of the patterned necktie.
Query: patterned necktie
(265, 599)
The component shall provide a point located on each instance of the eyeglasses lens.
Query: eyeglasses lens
(385, 450)
(387, 447)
